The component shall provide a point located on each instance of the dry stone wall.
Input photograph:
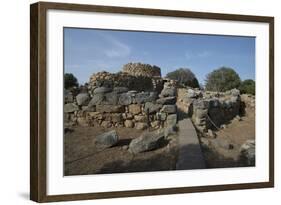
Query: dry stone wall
(121, 107)
(121, 79)
(210, 110)
(111, 80)
(134, 76)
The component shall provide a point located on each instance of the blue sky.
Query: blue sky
(88, 51)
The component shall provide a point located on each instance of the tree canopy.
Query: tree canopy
(248, 86)
(184, 76)
(222, 79)
(70, 80)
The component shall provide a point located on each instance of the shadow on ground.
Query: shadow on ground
(164, 161)
(215, 160)
(158, 162)
(182, 114)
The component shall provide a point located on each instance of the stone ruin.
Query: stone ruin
(146, 70)
(138, 97)
(211, 110)
(134, 76)
(137, 101)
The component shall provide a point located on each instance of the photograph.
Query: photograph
(143, 101)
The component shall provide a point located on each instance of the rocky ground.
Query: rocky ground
(83, 156)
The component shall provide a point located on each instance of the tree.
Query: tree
(184, 76)
(222, 79)
(248, 86)
(70, 80)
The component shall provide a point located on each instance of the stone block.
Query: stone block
(170, 109)
(141, 125)
(135, 109)
(107, 139)
(166, 100)
(151, 107)
(70, 107)
(129, 123)
(110, 108)
(82, 99)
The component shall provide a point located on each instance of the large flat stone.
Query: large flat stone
(146, 142)
(107, 139)
(96, 100)
(145, 97)
(125, 99)
(82, 99)
(166, 100)
(101, 90)
(111, 98)
(170, 109)
(151, 107)
(70, 107)
(168, 92)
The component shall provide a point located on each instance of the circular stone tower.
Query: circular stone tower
(139, 69)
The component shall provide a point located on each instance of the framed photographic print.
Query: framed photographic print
(134, 102)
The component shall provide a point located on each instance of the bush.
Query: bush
(70, 80)
(184, 76)
(248, 86)
(222, 79)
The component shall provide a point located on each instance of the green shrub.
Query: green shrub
(70, 80)
(222, 79)
(248, 86)
(184, 76)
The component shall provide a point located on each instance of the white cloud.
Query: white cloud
(204, 54)
(100, 64)
(188, 55)
(145, 53)
(117, 48)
